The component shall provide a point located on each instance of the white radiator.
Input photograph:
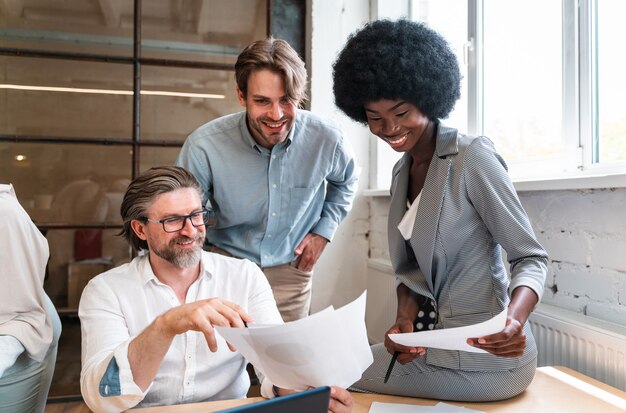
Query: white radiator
(564, 338)
(592, 347)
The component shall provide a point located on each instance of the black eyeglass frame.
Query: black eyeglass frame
(208, 219)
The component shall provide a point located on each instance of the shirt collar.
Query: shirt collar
(7, 188)
(206, 265)
(146, 274)
(145, 269)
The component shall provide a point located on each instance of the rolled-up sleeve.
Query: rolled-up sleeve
(106, 378)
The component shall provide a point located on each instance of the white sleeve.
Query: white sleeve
(106, 379)
(10, 350)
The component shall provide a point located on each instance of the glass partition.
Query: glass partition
(49, 97)
(68, 26)
(67, 184)
(73, 134)
(182, 99)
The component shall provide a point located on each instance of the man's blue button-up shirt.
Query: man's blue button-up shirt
(266, 201)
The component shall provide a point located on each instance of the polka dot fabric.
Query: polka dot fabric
(426, 317)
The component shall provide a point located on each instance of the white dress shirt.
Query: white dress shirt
(408, 220)
(119, 304)
(23, 258)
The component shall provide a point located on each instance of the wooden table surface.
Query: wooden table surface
(554, 389)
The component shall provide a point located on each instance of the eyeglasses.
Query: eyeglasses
(175, 224)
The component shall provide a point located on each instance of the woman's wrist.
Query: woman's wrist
(407, 303)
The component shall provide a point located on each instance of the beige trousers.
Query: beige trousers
(291, 287)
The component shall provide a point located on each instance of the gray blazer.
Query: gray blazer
(468, 212)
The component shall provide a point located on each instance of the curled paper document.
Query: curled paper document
(452, 338)
(327, 348)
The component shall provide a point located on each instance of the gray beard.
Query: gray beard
(187, 259)
(182, 259)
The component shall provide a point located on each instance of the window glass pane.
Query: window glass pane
(449, 18)
(157, 156)
(79, 26)
(76, 111)
(522, 78)
(611, 80)
(204, 30)
(67, 183)
(175, 117)
(78, 255)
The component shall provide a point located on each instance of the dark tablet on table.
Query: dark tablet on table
(309, 401)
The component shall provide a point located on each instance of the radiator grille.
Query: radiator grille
(592, 347)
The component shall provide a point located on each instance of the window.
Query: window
(611, 82)
(521, 86)
(543, 79)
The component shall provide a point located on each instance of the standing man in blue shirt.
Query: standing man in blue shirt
(279, 179)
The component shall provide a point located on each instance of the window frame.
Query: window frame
(577, 167)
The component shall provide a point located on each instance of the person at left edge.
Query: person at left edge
(29, 324)
(148, 334)
(280, 179)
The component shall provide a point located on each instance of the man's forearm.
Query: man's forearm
(146, 352)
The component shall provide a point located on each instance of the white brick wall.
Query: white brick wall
(584, 232)
(379, 207)
(340, 274)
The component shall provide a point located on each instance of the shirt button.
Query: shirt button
(274, 186)
(273, 156)
(273, 214)
(266, 256)
(269, 235)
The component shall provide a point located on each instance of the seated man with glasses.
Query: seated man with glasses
(147, 326)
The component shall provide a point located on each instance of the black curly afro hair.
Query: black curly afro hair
(396, 60)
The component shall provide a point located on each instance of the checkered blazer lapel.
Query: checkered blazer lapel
(432, 201)
(427, 220)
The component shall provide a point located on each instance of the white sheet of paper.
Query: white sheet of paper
(377, 407)
(440, 407)
(452, 338)
(327, 348)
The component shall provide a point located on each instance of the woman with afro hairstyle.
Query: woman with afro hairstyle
(453, 209)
